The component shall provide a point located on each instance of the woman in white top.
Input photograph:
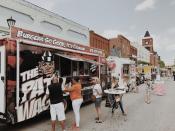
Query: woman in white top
(97, 92)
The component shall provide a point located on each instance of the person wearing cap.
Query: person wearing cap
(97, 92)
(55, 93)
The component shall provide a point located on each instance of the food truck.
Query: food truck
(121, 67)
(27, 63)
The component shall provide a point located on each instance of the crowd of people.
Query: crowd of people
(57, 106)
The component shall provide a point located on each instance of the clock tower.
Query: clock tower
(147, 42)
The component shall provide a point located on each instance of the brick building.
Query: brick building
(156, 59)
(133, 53)
(124, 46)
(100, 42)
(147, 42)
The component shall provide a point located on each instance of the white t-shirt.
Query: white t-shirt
(97, 90)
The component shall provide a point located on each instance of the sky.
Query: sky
(128, 17)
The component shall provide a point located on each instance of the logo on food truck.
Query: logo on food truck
(48, 40)
(32, 36)
(34, 83)
(33, 100)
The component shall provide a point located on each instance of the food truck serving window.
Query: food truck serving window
(74, 66)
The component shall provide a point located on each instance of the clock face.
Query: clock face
(147, 42)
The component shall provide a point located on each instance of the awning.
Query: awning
(74, 58)
(93, 62)
(127, 61)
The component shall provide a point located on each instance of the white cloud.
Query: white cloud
(146, 4)
(164, 43)
(114, 33)
(49, 5)
(171, 30)
(173, 2)
(132, 27)
(111, 33)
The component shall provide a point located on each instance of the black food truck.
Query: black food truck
(27, 63)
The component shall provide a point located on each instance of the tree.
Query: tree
(162, 64)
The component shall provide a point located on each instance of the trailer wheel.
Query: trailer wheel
(10, 118)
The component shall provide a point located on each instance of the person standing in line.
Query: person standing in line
(55, 93)
(77, 100)
(97, 92)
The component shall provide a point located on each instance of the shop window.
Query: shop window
(103, 70)
(76, 34)
(51, 27)
(126, 69)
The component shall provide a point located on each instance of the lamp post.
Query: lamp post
(11, 22)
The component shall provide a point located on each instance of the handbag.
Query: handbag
(93, 97)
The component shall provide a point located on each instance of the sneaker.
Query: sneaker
(96, 118)
(148, 102)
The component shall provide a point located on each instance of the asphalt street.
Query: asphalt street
(159, 115)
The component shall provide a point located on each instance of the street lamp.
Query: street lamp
(11, 22)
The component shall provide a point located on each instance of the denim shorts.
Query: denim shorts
(98, 102)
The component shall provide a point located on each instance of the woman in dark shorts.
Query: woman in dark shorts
(97, 92)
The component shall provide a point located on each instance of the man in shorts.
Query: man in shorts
(56, 99)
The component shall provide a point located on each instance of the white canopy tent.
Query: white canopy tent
(118, 70)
